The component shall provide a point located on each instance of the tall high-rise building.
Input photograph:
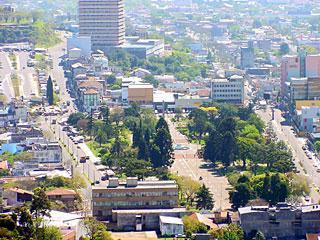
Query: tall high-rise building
(298, 66)
(104, 21)
(247, 56)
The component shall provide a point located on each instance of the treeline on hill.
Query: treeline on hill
(130, 141)
(237, 144)
(30, 27)
(180, 64)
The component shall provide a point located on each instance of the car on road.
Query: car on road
(181, 147)
(83, 160)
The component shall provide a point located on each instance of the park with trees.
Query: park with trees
(133, 142)
(238, 145)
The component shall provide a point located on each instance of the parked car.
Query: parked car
(181, 147)
(83, 160)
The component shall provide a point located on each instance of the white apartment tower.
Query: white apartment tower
(104, 21)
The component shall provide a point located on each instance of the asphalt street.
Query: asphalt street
(29, 83)
(187, 163)
(285, 133)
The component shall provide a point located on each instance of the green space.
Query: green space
(43, 34)
(180, 64)
(241, 147)
(13, 59)
(132, 142)
(3, 98)
(16, 82)
(31, 27)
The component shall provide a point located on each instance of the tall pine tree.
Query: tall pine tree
(162, 150)
(204, 198)
(50, 91)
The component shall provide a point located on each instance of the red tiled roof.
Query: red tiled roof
(312, 236)
(61, 191)
(21, 191)
(4, 165)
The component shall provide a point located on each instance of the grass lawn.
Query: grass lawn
(3, 98)
(13, 59)
(15, 80)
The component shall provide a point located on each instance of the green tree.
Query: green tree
(230, 232)
(204, 198)
(162, 123)
(50, 91)
(74, 118)
(284, 49)
(178, 114)
(241, 195)
(245, 147)
(279, 189)
(228, 148)
(111, 79)
(212, 147)
(40, 207)
(101, 137)
(162, 150)
(259, 236)
(25, 222)
(137, 168)
(317, 146)
(192, 225)
(188, 188)
(257, 23)
(51, 233)
(96, 230)
(105, 114)
(151, 79)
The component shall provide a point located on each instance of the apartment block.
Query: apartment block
(304, 88)
(299, 66)
(104, 21)
(229, 90)
(247, 57)
(283, 221)
(132, 194)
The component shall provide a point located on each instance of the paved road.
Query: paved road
(286, 134)
(5, 72)
(187, 163)
(27, 75)
(29, 84)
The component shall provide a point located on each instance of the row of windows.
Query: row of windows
(134, 203)
(228, 90)
(226, 85)
(227, 95)
(133, 194)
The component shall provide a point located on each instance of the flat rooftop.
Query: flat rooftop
(143, 211)
(140, 185)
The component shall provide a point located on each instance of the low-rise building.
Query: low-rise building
(309, 119)
(228, 90)
(70, 224)
(305, 88)
(144, 48)
(132, 194)
(17, 196)
(140, 93)
(142, 219)
(283, 221)
(89, 99)
(171, 226)
(66, 196)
